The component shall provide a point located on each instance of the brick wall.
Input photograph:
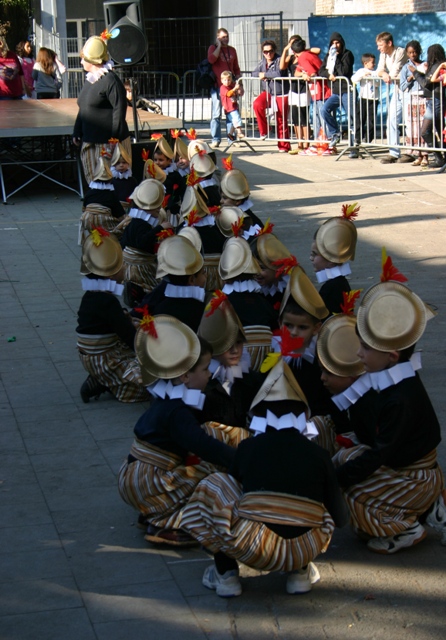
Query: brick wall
(358, 7)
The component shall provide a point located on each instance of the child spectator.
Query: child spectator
(277, 509)
(105, 333)
(47, 74)
(391, 479)
(160, 474)
(414, 104)
(334, 245)
(367, 104)
(229, 92)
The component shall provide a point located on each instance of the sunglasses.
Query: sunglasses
(268, 50)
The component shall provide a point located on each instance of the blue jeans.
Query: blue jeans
(216, 115)
(233, 119)
(328, 114)
(394, 119)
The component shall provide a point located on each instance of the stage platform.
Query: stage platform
(38, 132)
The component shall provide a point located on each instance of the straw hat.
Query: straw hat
(95, 51)
(178, 256)
(180, 149)
(303, 291)
(279, 384)
(192, 199)
(153, 171)
(237, 259)
(164, 147)
(203, 165)
(119, 151)
(269, 249)
(103, 259)
(148, 195)
(336, 240)
(391, 317)
(102, 171)
(234, 185)
(226, 218)
(173, 351)
(221, 327)
(337, 346)
(193, 236)
(195, 146)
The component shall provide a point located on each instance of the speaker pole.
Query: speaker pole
(135, 113)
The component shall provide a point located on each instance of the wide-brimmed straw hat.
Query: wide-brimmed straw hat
(203, 165)
(95, 51)
(336, 240)
(153, 171)
(119, 151)
(226, 218)
(173, 351)
(269, 249)
(102, 255)
(279, 384)
(148, 195)
(180, 149)
(220, 325)
(102, 171)
(391, 317)
(164, 147)
(338, 344)
(193, 200)
(237, 259)
(193, 236)
(178, 256)
(195, 146)
(303, 291)
(234, 185)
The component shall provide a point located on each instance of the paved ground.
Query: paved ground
(73, 564)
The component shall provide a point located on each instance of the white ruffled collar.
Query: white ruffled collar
(208, 182)
(276, 287)
(379, 381)
(177, 291)
(183, 172)
(246, 205)
(101, 186)
(170, 169)
(239, 286)
(121, 176)
(227, 375)
(94, 76)
(333, 272)
(206, 221)
(144, 215)
(252, 231)
(90, 284)
(290, 420)
(165, 389)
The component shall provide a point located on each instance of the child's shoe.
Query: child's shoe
(391, 544)
(226, 585)
(91, 388)
(301, 580)
(436, 517)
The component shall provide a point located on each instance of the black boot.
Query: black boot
(91, 388)
(439, 158)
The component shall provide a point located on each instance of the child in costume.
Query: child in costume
(121, 169)
(146, 219)
(101, 206)
(235, 190)
(334, 245)
(233, 385)
(204, 169)
(181, 291)
(105, 334)
(238, 269)
(302, 313)
(159, 474)
(277, 509)
(391, 480)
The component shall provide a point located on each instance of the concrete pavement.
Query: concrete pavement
(73, 565)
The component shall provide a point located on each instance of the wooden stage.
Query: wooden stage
(30, 125)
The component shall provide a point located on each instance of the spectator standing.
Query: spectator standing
(222, 57)
(12, 83)
(24, 52)
(47, 74)
(414, 102)
(390, 63)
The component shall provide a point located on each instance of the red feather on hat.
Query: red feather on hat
(145, 154)
(217, 299)
(162, 235)
(267, 228)
(191, 134)
(113, 140)
(227, 163)
(289, 345)
(151, 168)
(284, 265)
(175, 133)
(350, 211)
(192, 218)
(156, 136)
(237, 226)
(147, 323)
(192, 179)
(97, 233)
(389, 271)
(105, 35)
(349, 300)
(165, 200)
(215, 210)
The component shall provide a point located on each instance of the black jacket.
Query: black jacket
(343, 66)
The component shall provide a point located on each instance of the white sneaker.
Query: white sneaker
(408, 538)
(227, 586)
(263, 137)
(215, 144)
(437, 518)
(300, 581)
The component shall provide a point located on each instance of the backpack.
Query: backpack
(205, 77)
